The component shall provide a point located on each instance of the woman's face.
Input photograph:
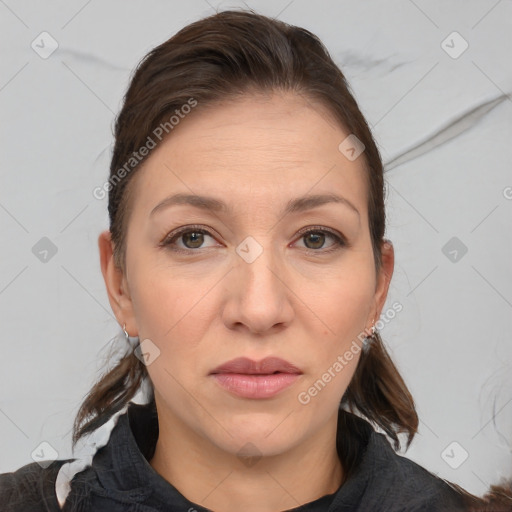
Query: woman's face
(267, 274)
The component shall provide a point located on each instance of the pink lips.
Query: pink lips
(256, 379)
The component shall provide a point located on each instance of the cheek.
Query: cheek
(343, 308)
(343, 300)
(170, 312)
(174, 310)
(347, 310)
(344, 319)
(160, 292)
(334, 360)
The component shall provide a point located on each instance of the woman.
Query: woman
(247, 264)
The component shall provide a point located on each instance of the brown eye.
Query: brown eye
(315, 239)
(193, 239)
(187, 239)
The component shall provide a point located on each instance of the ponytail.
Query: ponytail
(110, 394)
(379, 393)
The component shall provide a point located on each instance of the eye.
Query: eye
(315, 239)
(192, 237)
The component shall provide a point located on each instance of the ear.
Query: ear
(116, 284)
(383, 281)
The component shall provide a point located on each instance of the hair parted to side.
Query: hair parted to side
(216, 59)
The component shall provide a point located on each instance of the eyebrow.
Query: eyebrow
(298, 204)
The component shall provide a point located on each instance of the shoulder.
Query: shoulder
(380, 479)
(31, 488)
(409, 484)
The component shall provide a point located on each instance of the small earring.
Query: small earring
(132, 340)
(367, 342)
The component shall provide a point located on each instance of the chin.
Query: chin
(259, 434)
(248, 447)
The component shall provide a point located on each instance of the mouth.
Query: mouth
(246, 378)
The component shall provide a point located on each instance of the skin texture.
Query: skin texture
(296, 300)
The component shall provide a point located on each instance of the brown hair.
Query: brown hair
(215, 59)
(498, 498)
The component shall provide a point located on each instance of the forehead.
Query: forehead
(261, 149)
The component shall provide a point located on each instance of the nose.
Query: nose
(259, 295)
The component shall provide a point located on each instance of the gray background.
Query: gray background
(442, 121)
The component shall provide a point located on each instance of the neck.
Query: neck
(215, 479)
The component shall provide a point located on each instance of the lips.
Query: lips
(267, 366)
(250, 379)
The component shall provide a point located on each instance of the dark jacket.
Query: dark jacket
(121, 479)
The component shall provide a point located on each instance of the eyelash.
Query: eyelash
(339, 241)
